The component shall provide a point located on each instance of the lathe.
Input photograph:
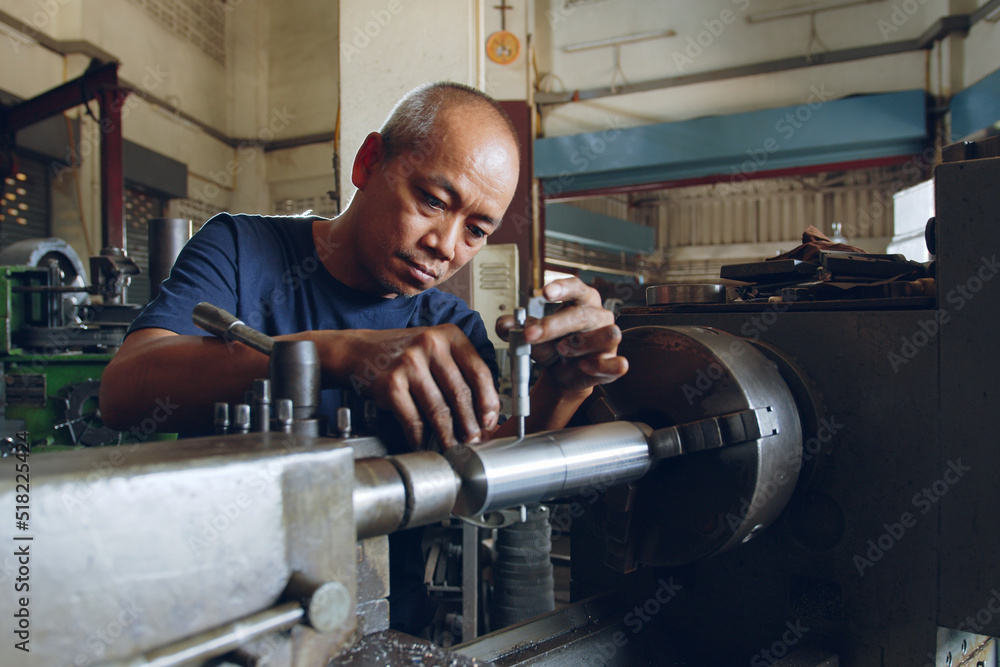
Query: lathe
(767, 485)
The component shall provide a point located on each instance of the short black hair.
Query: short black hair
(411, 122)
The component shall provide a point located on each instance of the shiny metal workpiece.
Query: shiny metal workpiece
(508, 472)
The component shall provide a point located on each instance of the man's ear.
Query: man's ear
(367, 160)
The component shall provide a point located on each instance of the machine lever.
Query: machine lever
(228, 327)
(294, 371)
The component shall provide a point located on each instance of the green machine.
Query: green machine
(56, 344)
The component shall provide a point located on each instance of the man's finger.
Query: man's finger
(433, 406)
(585, 343)
(604, 370)
(572, 290)
(398, 400)
(507, 322)
(458, 395)
(568, 321)
(479, 377)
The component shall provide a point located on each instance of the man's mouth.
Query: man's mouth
(421, 273)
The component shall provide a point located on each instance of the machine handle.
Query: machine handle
(228, 327)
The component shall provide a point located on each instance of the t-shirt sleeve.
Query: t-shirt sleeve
(205, 270)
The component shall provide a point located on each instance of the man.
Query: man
(432, 186)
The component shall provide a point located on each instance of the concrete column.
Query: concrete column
(388, 47)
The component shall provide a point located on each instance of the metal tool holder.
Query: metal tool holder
(292, 388)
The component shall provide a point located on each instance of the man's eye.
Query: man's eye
(477, 232)
(433, 201)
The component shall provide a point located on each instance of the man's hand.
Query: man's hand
(577, 345)
(424, 372)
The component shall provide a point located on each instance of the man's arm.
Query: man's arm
(423, 373)
(431, 372)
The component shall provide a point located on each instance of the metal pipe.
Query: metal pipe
(509, 472)
(112, 169)
(295, 373)
(221, 640)
(166, 238)
(941, 28)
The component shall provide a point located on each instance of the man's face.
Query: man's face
(430, 210)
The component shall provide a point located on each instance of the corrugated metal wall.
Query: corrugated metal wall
(140, 208)
(702, 227)
(24, 213)
(695, 224)
(780, 209)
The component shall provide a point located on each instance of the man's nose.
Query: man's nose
(443, 237)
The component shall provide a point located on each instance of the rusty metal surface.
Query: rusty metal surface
(373, 616)
(373, 568)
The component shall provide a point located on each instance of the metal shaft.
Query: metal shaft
(508, 472)
(403, 491)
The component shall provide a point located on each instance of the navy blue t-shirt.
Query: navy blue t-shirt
(268, 272)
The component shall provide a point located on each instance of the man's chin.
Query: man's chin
(397, 289)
